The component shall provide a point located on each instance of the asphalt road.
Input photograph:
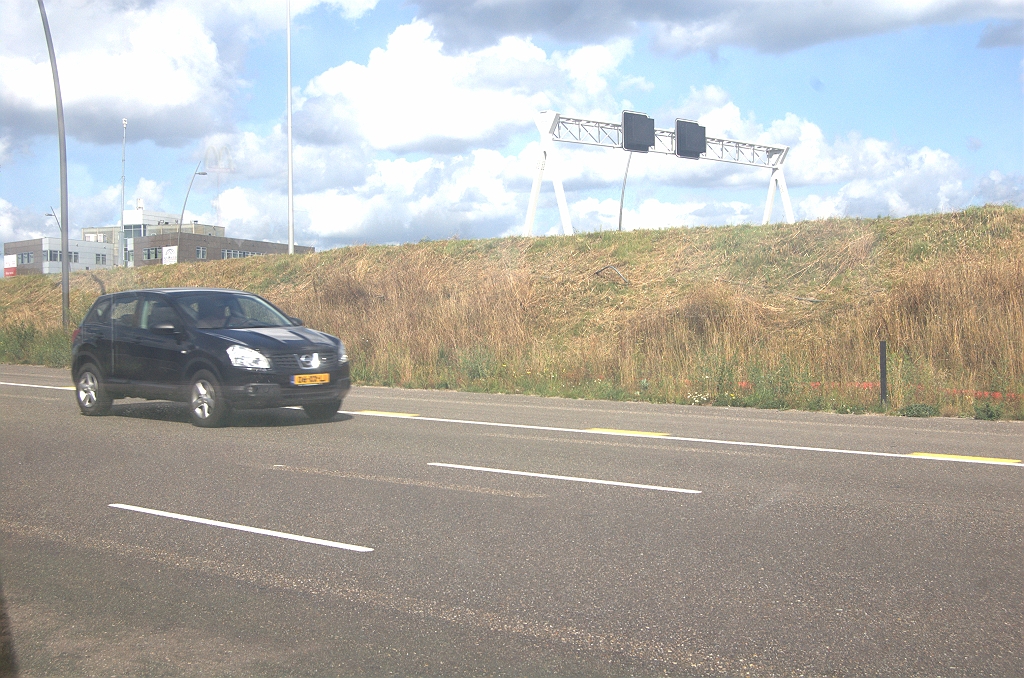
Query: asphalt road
(807, 544)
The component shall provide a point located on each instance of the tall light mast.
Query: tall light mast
(65, 265)
(291, 205)
(120, 234)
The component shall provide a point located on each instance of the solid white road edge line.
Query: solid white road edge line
(708, 441)
(55, 388)
(572, 478)
(243, 528)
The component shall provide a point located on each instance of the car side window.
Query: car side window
(123, 313)
(157, 312)
(99, 312)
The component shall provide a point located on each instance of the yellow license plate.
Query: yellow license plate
(308, 379)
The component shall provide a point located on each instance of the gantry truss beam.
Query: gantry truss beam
(609, 135)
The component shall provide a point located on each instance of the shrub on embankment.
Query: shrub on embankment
(781, 316)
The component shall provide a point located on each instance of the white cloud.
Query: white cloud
(168, 66)
(894, 183)
(999, 188)
(401, 200)
(701, 24)
(18, 224)
(159, 67)
(636, 82)
(412, 96)
(1003, 34)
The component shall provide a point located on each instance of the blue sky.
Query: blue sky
(414, 120)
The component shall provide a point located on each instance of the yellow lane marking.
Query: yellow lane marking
(623, 432)
(380, 413)
(959, 457)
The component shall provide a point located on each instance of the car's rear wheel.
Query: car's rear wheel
(206, 405)
(92, 396)
(322, 411)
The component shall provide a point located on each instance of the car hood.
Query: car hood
(276, 338)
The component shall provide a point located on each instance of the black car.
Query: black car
(217, 350)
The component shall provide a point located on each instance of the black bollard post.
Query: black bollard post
(883, 386)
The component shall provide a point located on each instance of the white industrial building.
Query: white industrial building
(43, 255)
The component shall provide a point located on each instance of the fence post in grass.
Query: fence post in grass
(883, 385)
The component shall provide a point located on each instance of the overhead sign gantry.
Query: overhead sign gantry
(636, 133)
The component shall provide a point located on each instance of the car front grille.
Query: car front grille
(289, 362)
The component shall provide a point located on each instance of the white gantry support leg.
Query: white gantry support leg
(531, 211)
(546, 122)
(778, 179)
(563, 206)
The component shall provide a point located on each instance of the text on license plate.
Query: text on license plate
(308, 379)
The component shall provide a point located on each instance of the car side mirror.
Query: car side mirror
(296, 321)
(165, 328)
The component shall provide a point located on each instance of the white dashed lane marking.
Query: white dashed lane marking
(243, 528)
(574, 479)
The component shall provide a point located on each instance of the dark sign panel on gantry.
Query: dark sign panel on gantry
(691, 139)
(637, 132)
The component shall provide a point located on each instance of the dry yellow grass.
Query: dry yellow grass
(778, 316)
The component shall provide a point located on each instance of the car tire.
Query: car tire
(90, 393)
(207, 406)
(322, 411)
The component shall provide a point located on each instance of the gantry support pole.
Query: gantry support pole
(778, 179)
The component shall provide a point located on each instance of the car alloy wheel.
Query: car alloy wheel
(92, 397)
(206, 406)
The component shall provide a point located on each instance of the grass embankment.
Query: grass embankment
(781, 316)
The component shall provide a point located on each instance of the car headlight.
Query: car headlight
(243, 356)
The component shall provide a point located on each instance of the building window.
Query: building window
(150, 253)
(134, 231)
(129, 255)
(101, 259)
(54, 255)
(25, 258)
(200, 253)
(237, 254)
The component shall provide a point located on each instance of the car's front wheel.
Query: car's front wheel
(92, 396)
(322, 411)
(206, 406)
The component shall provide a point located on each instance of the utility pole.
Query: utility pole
(65, 264)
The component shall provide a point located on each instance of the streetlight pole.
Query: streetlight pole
(181, 219)
(120, 234)
(291, 203)
(65, 265)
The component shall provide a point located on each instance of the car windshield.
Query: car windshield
(215, 310)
